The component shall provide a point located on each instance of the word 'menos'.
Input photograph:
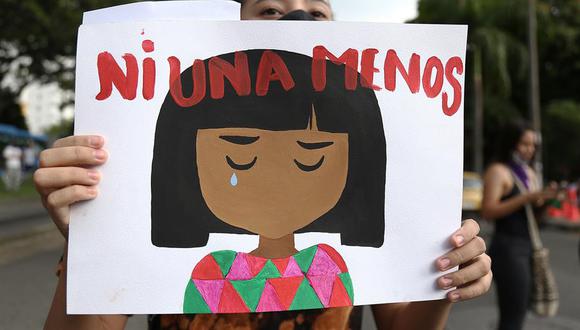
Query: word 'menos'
(272, 68)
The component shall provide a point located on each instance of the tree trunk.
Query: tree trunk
(535, 85)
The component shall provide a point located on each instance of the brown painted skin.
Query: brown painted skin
(274, 198)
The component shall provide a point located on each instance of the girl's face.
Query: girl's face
(526, 147)
(271, 183)
(274, 9)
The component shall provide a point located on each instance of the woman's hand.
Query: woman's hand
(538, 198)
(473, 278)
(65, 175)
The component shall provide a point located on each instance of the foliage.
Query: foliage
(38, 43)
(26, 191)
(64, 128)
(559, 39)
(562, 132)
(499, 29)
(10, 110)
(38, 38)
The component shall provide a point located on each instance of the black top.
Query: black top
(514, 224)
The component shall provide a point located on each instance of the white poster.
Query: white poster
(266, 166)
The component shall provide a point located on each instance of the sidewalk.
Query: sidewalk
(563, 224)
(482, 313)
(22, 217)
(15, 209)
(25, 229)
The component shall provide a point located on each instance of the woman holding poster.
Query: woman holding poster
(66, 178)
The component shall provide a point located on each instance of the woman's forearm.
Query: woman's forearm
(422, 315)
(58, 319)
(503, 208)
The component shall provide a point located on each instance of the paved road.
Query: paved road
(481, 313)
(27, 283)
(27, 273)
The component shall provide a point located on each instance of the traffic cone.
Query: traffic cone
(554, 212)
(571, 212)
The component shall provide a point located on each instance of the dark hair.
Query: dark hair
(179, 214)
(510, 136)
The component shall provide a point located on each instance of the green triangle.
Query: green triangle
(250, 291)
(304, 258)
(193, 301)
(224, 259)
(305, 297)
(347, 282)
(268, 271)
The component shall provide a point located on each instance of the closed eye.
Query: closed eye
(241, 167)
(314, 145)
(309, 168)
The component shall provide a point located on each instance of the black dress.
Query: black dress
(511, 253)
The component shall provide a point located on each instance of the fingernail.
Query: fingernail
(95, 141)
(99, 155)
(444, 263)
(454, 296)
(446, 282)
(459, 239)
(93, 175)
(92, 191)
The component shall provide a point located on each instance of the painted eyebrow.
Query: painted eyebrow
(314, 145)
(239, 139)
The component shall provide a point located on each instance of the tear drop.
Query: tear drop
(234, 180)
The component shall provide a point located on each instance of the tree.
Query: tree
(497, 35)
(496, 64)
(38, 43)
(10, 110)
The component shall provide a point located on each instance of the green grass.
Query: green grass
(27, 191)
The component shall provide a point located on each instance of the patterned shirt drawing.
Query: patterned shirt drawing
(230, 282)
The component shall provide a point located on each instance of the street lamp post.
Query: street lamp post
(534, 110)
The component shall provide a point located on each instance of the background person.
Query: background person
(65, 177)
(30, 157)
(503, 203)
(13, 160)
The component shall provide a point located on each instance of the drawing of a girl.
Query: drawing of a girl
(290, 161)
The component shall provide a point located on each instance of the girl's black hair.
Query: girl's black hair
(179, 214)
(510, 136)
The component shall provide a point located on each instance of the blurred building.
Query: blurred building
(42, 106)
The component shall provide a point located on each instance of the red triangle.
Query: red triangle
(286, 288)
(339, 296)
(281, 264)
(230, 301)
(269, 301)
(334, 256)
(207, 269)
(256, 263)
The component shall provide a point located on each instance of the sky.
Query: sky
(393, 11)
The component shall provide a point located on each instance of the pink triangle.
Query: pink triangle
(322, 264)
(269, 301)
(292, 269)
(323, 287)
(239, 269)
(211, 291)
